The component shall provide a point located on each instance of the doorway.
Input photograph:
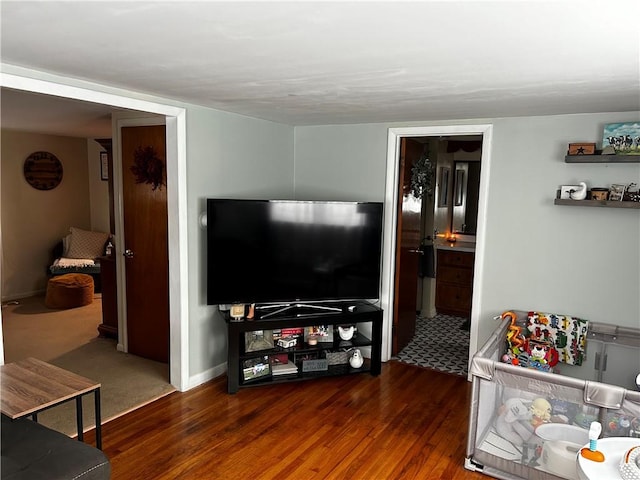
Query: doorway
(433, 270)
(69, 338)
(388, 297)
(176, 198)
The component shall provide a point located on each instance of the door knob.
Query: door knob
(128, 253)
(417, 251)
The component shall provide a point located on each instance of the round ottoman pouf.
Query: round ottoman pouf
(69, 291)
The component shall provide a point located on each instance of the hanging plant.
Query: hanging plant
(422, 176)
(148, 167)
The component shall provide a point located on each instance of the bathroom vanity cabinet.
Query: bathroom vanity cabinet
(454, 282)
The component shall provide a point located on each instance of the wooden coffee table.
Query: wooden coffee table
(30, 386)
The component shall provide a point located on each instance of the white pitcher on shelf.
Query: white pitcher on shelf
(356, 359)
(346, 333)
(579, 193)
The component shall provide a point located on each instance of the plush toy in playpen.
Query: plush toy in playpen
(528, 351)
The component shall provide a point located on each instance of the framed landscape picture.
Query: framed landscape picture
(623, 137)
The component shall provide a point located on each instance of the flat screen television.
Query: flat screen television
(272, 251)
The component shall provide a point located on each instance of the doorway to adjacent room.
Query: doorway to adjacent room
(176, 161)
(437, 339)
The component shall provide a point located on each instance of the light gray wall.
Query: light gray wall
(228, 156)
(341, 162)
(579, 261)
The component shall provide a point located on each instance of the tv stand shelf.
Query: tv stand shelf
(363, 315)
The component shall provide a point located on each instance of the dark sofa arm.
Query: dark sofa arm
(31, 451)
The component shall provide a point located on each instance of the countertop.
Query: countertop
(456, 246)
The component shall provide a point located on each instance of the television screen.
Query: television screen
(266, 251)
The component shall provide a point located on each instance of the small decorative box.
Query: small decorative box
(287, 342)
(582, 148)
(337, 358)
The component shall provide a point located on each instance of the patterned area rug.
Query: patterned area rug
(440, 343)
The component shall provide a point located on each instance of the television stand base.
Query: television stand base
(251, 368)
(286, 307)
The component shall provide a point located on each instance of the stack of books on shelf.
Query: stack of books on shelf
(284, 368)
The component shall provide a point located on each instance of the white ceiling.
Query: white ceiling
(311, 63)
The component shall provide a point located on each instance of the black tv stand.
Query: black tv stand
(366, 317)
(287, 307)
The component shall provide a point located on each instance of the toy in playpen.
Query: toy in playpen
(630, 464)
(514, 421)
(530, 352)
(517, 418)
(592, 453)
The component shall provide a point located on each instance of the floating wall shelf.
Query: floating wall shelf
(596, 203)
(602, 159)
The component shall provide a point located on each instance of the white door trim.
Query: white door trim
(176, 195)
(391, 214)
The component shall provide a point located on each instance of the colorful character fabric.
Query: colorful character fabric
(568, 335)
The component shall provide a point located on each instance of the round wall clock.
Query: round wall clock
(43, 170)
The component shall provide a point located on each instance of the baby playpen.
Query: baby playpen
(526, 423)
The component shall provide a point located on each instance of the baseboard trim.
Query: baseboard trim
(200, 378)
(19, 296)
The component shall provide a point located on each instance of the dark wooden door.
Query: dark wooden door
(407, 249)
(145, 236)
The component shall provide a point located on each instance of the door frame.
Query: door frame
(175, 118)
(390, 223)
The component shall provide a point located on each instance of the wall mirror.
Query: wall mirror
(443, 191)
(466, 192)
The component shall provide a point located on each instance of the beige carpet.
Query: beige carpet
(69, 339)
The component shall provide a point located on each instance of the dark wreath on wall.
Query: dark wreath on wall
(148, 167)
(422, 175)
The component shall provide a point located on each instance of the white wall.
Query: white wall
(580, 261)
(229, 156)
(33, 221)
(341, 162)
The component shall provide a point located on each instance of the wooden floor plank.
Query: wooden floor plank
(408, 423)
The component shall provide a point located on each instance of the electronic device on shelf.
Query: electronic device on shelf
(284, 251)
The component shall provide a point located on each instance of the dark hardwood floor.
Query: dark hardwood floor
(408, 423)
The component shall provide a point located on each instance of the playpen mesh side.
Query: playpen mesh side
(492, 450)
(623, 421)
